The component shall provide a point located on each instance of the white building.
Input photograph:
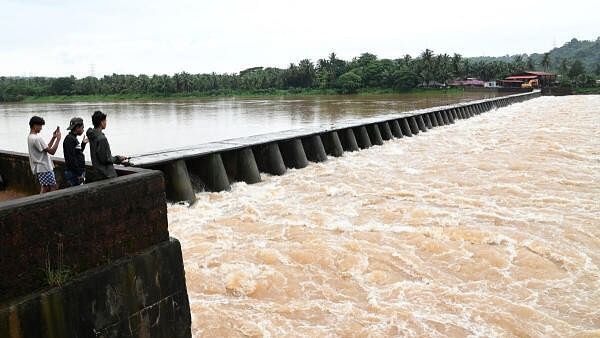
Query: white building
(490, 84)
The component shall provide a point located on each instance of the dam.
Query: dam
(214, 166)
(429, 233)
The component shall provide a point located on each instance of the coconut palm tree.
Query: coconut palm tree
(518, 63)
(546, 61)
(456, 65)
(427, 66)
(564, 67)
(530, 63)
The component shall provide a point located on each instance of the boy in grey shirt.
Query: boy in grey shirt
(39, 154)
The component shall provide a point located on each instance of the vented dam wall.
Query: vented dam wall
(215, 166)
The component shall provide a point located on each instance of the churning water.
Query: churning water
(489, 227)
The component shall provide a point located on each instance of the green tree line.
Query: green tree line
(366, 71)
(586, 51)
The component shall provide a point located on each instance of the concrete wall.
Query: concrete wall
(16, 172)
(125, 276)
(91, 224)
(143, 295)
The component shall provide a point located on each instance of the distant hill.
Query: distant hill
(586, 51)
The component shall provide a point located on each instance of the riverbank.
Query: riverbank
(229, 94)
(587, 91)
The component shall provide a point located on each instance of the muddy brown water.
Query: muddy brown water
(142, 127)
(489, 227)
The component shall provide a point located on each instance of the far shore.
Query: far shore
(269, 94)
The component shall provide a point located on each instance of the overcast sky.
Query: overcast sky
(55, 38)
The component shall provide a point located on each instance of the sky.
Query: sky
(82, 38)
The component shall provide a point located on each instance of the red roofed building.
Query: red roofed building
(522, 77)
(544, 79)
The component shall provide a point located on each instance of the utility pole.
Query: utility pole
(92, 70)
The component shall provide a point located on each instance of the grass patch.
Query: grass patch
(59, 274)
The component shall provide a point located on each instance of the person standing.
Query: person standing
(39, 154)
(102, 158)
(73, 152)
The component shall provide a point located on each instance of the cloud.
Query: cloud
(65, 37)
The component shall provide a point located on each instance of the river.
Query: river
(488, 227)
(140, 127)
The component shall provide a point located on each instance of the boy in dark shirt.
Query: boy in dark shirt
(73, 151)
(102, 158)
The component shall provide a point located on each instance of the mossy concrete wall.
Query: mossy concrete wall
(142, 295)
(126, 277)
(16, 172)
(89, 225)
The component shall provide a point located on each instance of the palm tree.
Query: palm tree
(332, 57)
(442, 68)
(564, 67)
(466, 68)
(455, 64)
(518, 63)
(427, 71)
(530, 63)
(427, 55)
(546, 61)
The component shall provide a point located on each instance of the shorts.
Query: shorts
(47, 178)
(73, 179)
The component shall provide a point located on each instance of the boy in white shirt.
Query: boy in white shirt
(39, 154)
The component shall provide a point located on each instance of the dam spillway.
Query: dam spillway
(215, 166)
(486, 228)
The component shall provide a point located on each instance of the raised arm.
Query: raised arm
(84, 142)
(53, 145)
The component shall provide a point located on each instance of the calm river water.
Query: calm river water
(489, 227)
(141, 127)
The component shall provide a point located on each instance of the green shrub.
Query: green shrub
(349, 83)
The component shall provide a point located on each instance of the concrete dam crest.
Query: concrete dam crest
(215, 166)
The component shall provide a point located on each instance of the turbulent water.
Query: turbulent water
(488, 227)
